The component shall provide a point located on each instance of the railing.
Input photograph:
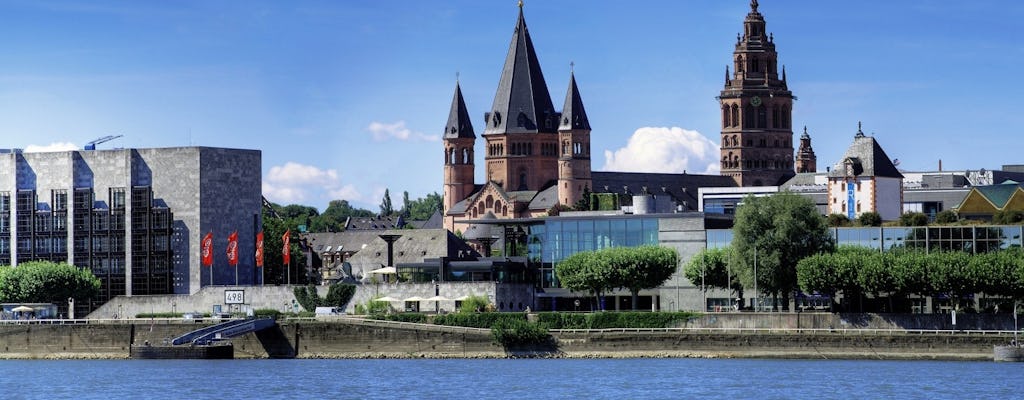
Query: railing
(793, 331)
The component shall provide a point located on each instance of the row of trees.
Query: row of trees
(46, 282)
(631, 268)
(332, 219)
(853, 270)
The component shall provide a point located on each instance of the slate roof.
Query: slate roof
(998, 195)
(573, 114)
(374, 223)
(436, 221)
(868, 159)
(459, 125)
(682, 187)
(522, 103)
(414, 246)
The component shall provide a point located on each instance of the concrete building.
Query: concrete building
(135, 217)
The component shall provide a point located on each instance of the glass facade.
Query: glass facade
(560, 238)
(973, 239)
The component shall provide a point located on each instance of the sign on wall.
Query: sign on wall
(851, 200)
(234, 297)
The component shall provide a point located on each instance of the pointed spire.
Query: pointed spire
(753, 5)
(727, 75)
(805, 135)
(522, 103)
(860, 133)
(573, 114)
(459, 125)
(783, 73)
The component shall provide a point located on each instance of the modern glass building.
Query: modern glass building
(973, 239)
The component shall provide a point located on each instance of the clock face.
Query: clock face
(755, 101)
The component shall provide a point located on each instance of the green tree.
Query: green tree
(638, 268)
(385, 204)
(778, 230)
(585, 272)
(584, 203)
(713, 266)
(870, 218)
(406, 204)
(1008, 217)
(46, 282)
(274, 269)
(423, 208)
(334, 216)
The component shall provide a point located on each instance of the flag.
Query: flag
(259, 249)
(207, 249)
(286, 251)
(233, 249)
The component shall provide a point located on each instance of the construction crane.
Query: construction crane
(92, 145)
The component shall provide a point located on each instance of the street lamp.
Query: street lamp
(703, 267)
(755, 277)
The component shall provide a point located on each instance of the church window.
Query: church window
(451, 159)
(565, 148)
(748, 116)
(522, 180)
(775, 119)
(490, 201)
(735, 116)
(529, 149)
(725, 117)
(465, 156)
(755, 66)
(762, 117)
(734, 141)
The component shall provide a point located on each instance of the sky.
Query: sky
(348, 98)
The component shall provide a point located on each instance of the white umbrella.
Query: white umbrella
(387, 299)
(437, 298)
(23, 309)
(461, 298)
(414, 298)
(385, 270)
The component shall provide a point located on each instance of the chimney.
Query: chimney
(940, 165)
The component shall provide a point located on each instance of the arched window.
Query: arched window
(734, 141)
(726, 121)
(762, 117)
(451, 156)
(465, 155)
(735, 116)
(490, 201)
(522, 179)
(497, 206)
(565, 147)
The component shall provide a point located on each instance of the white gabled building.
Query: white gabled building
(864, 180)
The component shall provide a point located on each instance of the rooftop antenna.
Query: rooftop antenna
(92, 145)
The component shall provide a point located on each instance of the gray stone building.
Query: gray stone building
(135, 217)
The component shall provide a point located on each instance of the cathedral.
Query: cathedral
(537, 160)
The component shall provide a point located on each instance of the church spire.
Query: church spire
(459, 124)
(522, 103)
(573, 114)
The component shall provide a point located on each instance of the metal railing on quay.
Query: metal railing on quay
(793, 331)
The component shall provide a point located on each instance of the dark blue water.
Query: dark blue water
(510, 379)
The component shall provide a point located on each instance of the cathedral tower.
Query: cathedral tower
(757, 106)
(574, 144)
(459, 140)
(806, 161)
(521, 130)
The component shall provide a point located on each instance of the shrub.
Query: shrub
(605, 320)
(870, 218)
(484, 320)
(307, 297)
(838, 220)
(159, 315)
(513, 332)
(339, 294)
(474, 303)
(913, 219)
(946, 217)
(418, 318)
(266, 313)
(557, 320)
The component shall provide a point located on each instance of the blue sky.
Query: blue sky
(347, 98)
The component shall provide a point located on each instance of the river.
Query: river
(508, 379)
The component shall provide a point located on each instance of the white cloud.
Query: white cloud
(58, 146)
(296, 183)
(383, 131)
(664, 150)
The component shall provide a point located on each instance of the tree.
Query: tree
(778, 230)
(274, 269)
(423, 208)
(1008, 217)
(385, 204)
(584, 203)
(333, 218)
(638, 268)
(870, 218)
(406, 205)
(585, 272)
(713, 266)
(46, 282)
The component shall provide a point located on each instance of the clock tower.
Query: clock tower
(757, 109)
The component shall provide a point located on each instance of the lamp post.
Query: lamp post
(703, 268)
(755, 277)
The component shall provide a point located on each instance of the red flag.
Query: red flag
(259, 249)
(207, 248)
(233, 249)
(286, 251)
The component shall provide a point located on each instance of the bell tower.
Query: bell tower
(806, 161)
(757, 109)
(574, 148)
(459, 140)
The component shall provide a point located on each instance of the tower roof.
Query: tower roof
(522, 103)
(867, 159)
(573, 114)
(459, 125)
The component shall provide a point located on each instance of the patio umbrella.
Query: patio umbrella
(414, 298)
(461, 298)
(387, 299)
(23, 309)
(437, 298)
(385, 270)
